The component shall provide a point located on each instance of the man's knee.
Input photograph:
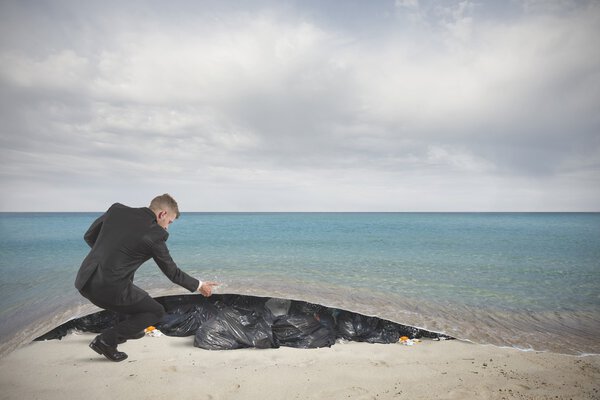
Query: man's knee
(156, 309)
(160, 312)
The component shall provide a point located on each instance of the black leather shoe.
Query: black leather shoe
(138, 335)
(110, 352)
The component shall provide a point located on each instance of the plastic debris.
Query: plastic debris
(186, 319)
(229, 321)
(234, 329)
(152, 331)
(278, 307)
(303, 331)
(360, 328)
(405, 340)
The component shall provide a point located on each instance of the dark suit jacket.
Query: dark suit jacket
(122, 239)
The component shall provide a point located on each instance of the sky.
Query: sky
(406, 105)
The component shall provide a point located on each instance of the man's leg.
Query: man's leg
(121, 339)
(133, 319)
(138, 316)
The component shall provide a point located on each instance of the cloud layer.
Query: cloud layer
(399, 106)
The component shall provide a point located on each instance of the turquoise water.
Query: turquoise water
(528, 280)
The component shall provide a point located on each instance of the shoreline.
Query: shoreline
(353, 303)
(170, 367)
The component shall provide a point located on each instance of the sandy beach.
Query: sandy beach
(171, 368)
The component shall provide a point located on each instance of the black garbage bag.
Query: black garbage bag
(248, 304)
(415, 333)
(180, 304)
(186, 319)
(306, 308)
(234, 329)
(97, 322)
(278, 307)
(327, 320)
(57, 333)
(360, 328)
(352, 326)
(387, 332)
(302, 331)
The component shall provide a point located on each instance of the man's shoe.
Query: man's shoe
(138, 335)
(108, 351)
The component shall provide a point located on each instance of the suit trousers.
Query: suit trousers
(133, 318)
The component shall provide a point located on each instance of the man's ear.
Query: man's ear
(161, 214)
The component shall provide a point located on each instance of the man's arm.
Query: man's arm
(162, 257)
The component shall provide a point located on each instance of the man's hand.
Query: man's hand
(207, 288)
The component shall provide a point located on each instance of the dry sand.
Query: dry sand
(171, 368)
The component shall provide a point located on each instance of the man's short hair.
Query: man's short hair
(164, 201)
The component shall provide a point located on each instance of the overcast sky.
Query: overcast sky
(406, 105)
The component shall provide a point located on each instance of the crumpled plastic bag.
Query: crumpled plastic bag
(302, 331)
(247, 305)
(234, 329)
(360, 328)
(97, 322)
(186, 319)
(278, 307)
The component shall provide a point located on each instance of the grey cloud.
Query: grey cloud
(289, 101)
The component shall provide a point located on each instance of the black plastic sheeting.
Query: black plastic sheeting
(229, 321)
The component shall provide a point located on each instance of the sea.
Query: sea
(525, 280)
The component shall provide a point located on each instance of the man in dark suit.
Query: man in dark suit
(121, 240)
